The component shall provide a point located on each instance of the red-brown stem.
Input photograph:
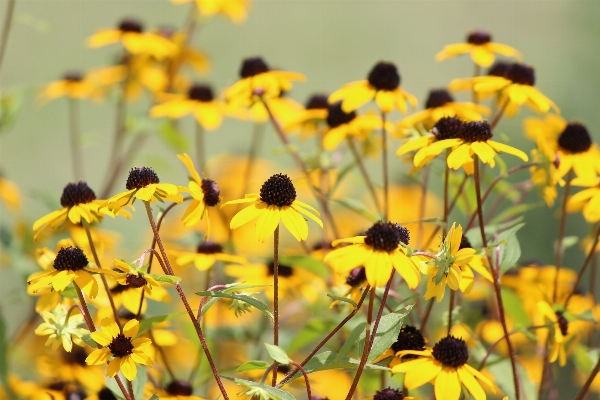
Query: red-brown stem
(275, 297)
(496, 276)
(168, 271)
(386, 178)
(561, 236)
(424, 185)
(306, 382)
(363, 172)
(6, 24)
(446, 182)
(588, 382)
(499, 114)
(86, 227)
(328, 337)
(493, 346)
(450, 309)
(589, 258)
(426, 316)
(75, 139)
(130, 387)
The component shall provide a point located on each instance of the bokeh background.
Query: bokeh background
(331, 42)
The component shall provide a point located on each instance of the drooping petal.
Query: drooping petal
(294, 223)
(459, 156)
(499, 147)
(471, 383)
(480, 376)
(131, 328)
(482, 56)
(109, 327)
(485, 152)
(98, 357)
(308, 214)
(113, 367)
(128, 368)
(378, 267)
(420, 373)
(247, 214)
(447, 385)
(267, 222)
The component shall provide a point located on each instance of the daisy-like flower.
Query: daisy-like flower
(474, 138)
(79, 202)
(60, 330)
(560, 328)
(479, 44)
(441, 104)
(236, 10)
(382, 85)
(143, 183)
(409, 338)
(343, 124)
(137, 278)
(69, 265)
(207, 253)
(130, 34)
(276, 201)
(310, 120)
(357, 280)
(258, 77)
(198, 101)
(445, 366)
(73, 85)
(283, 108)
(121, 349)
(587, 200)
(381, 249)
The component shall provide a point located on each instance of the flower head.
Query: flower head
(73, 85)
(276, 202)
(207, 253)
(61, 330)
(409, 338)
(136, 278)
(560, 327)
(382, 248)
(588, 201)
(381, 85)
(310, 120)
(121, 350)
(479, 44)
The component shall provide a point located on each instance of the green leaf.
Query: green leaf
(154, 397)
(278, 354)
(232, 287)
(173, 137)
(330, 360)
(587, 315)
(510, 252)
(10, 105)
(308, 263)
(514, 307)
(87, 339)
(357, 206)
(252, 365)
(242, 297)
(169, 279)
(387, 332)
(344, 299)
(351, 339)
(474, 235)
(139, 382)
(569, 241)
(274, 393)
(148, 323)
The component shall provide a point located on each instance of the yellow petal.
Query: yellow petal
(482, 56)
(406, 268)
(128, 368)
(113, 367)
(378, 268)
(189, 164)
(415, 144)
(109, 327)
(385, 100)
(499, 147)
(294, 223)
(471, 383)
(101, 338)
(247, 214)
(459, 156)
(267, 222)
(447, 385)
(421, 373)
(307, 213)
(485, 152)
(131, 328)
(98, 357)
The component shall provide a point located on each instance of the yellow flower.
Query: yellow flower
(10, 194)
(258, 80)
(409, 338)
(346, 124)
(129, 33)
(130, 297)
(60, 330)
(382, 85)
(357, 280)
(236, 10)
(73, 85)
(311, 119)
(587, 200)
(283, 108)
(143, 183)
(276, 201)
(479, 44)
(207, 253)
(79, 202)
(121, 349)
(445, 366)
(134, 277)
(185, 53)
(474, 138)
(198, 101)
(380, 250)
(560, 328)
(440, 104)
(390, 394)
(176, 390)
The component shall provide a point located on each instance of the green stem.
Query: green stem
(275, 297)
(450, 309)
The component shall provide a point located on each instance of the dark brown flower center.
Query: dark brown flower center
(451, 351)
(208, 247)
(282, 270)
(76, 356)
(575, 138)
(319, 398)
(201, 93)
(464, 243)
(136, 281)
(386, 236)
(253, 66)
(388, 394)
(73, 76)
(317, 102)
(211, 192)
(563, 324)
(438, 98)
(106, 394)
(336, 116)
(179, 388)
(447, 128)
(356, 277)
(131, 25)
(141, 177)
(278, 191)
(283, 369)
(121, 346)
(70, 258)
(76, 193)
(409, 338)
(476, 131)
(384, 76)
(499, 69)
(521, 74)
(479, 37)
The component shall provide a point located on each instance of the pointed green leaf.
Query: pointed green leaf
(510, 252)
(169, 279)
(273, 393)
(242, 297)
(278, 354)
(351, 339)
(344, 299)
(252, 365)
(387, 332)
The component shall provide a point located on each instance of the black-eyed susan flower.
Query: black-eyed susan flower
(185, 54)
(409, 338)
(122, 351)
(79, 202)
(62, 366)
(474, 138)
(143, 183)
(130, 297)
(283, 108)
(276, 202)
(60, 330)
(445, 366)
(69, 265)
(382, 249)
(588, 201)
(560, 329)
(382, 85)
(342, 125)
(312, 119)
(460, 84)
(207, 253)
(73, 85)
(257, 77)
(138, 278)
(198, 101)
(357, 280)
(236, 10)
(441, 104)
(130, 34)
(479, 44)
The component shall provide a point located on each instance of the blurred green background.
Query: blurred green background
(331, 42)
